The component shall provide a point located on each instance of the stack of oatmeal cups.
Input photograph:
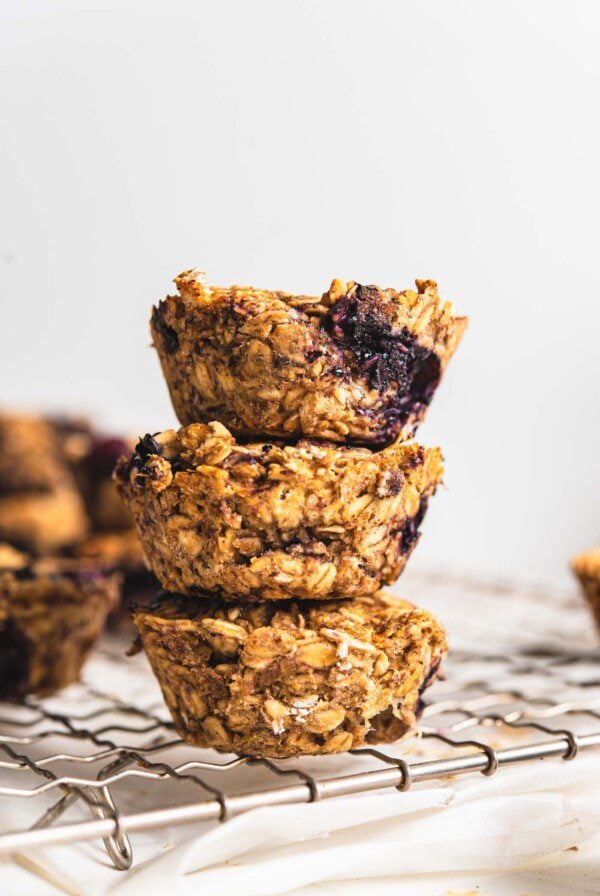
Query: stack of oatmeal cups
(291, 494)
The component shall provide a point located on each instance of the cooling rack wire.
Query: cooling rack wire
(106, 752)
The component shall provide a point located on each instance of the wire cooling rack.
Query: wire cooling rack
(106, 749)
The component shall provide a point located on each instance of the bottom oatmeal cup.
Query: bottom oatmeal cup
(289, 679)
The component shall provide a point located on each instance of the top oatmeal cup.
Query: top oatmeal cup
(357, 365)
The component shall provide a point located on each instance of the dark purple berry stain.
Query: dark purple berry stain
(169, 337)
(145, 447)
(409, 533)
(84, 575)
(94, 576)
(24, 574)
(385, 356)
(15, 651)
(395, 483)
(232, 461)
(104, 455)
(420, 706)
(417, 459)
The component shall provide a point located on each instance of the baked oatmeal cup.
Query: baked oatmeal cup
(357, 365)
(293, 678)
(51, 613)
(267, 521)
(586, 567)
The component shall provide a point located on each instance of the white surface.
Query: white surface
(286, 143)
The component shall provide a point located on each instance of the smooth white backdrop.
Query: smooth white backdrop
(285, 143)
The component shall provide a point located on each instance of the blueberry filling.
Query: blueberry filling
(14, 661)
(169, 337)
(395, 483)
(233, 460)
(104, 455)
(24, 574)
(409, 533)
(91, 575)
(145, 447)
(385, 356)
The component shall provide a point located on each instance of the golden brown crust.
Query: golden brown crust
(294, 678)
(269, 521)
(357, 365)
(51, 613)
(586, 567)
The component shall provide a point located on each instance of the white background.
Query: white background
(284, 143)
